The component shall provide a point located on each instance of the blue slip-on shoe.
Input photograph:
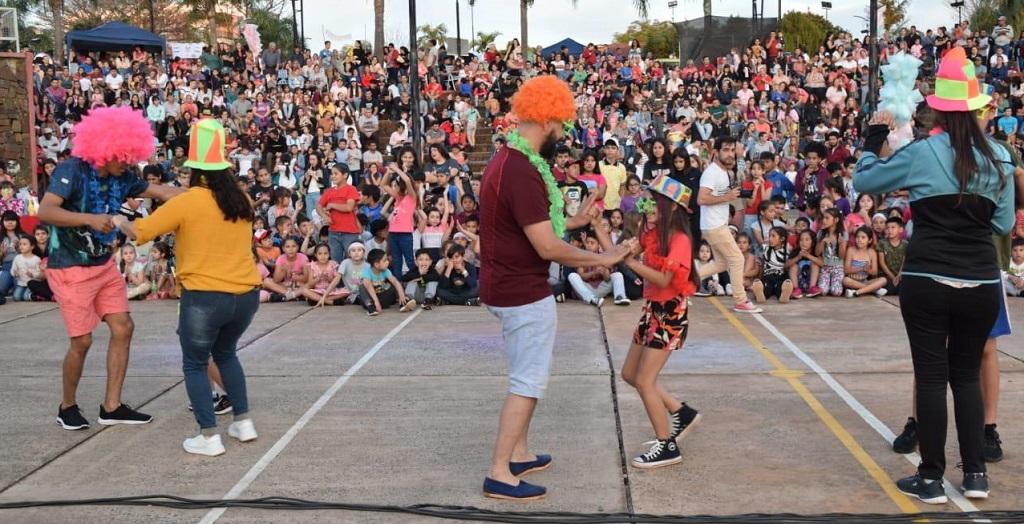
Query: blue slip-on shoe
(524, 491)
(523, 468)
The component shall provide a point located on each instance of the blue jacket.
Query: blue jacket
(952, 231)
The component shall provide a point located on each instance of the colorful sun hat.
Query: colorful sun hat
(956, 84)
(206, 146)
(673, 189)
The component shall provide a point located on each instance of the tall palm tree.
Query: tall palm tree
(641, 7)
(378, 28)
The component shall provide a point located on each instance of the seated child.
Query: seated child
(378, 235)
(421, 281)
(25, 268)
(290, 269)
(718, 284)
(134, 273)
(592, 283)
(380, 289)
(861, 266)
(265, 248)
(322, 279)
(893, 250)
(161, 273)
(774, 282)
(434, 228)
(458, 284)
(804, 266)
(751, 263)
(352, 270)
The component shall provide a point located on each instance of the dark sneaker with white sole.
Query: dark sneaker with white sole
(71, 419)
(124, 414)
(223, 405)
(927, 492)
(975, 485)
(993, 449)
(683, 420)
(662, 453)
(906, 442)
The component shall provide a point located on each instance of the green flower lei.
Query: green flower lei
(557, 204)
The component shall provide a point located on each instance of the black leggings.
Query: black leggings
(947, 328)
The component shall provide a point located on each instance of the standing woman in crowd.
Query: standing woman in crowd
(959, 180)
(212, 223)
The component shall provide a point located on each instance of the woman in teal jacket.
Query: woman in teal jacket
(961, 191)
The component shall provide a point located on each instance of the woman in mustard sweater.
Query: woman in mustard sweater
(212, 223)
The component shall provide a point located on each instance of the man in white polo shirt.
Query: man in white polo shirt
(714, 197)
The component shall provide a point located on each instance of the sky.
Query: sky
(552, 20)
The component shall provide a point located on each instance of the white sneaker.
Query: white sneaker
(850, 293)
(409, 306)
(243, 430)
(882, 292)
(728, 289)
(622, 301)
(596, 302)
(200, 445)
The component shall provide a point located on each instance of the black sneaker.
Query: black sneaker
(223, 405)
(473, 302)
(906, 442)
(276, 297)
(662, 453)
(975, 485)
(124, 414)
(683, 420)
(71, 419)
(993, 450)
(929, 493)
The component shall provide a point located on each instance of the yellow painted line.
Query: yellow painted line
(792, 376)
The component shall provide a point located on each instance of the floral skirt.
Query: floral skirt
(663, 325)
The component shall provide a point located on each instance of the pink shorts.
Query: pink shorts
(86, 294)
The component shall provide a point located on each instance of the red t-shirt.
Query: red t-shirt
(512, 196)
(679, 260)
(342, 222)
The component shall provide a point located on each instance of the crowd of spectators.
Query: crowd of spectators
(348, 213)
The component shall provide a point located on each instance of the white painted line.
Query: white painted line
(869, 417)
(285, 439)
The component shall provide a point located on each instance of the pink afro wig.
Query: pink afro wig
(113, 133)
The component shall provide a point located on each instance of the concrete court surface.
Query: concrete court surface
(416, 421)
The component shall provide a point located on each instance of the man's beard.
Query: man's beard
(547, 149)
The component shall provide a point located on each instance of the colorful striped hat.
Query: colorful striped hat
(956, 84)
(672, 188)
(206, 146)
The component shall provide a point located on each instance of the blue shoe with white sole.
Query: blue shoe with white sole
(523, 491)
(522, 468)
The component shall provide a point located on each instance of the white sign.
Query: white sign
(186, 49)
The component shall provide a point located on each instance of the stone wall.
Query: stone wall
(17, 138)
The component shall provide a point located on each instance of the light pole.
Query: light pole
(672, 5)
(826, 6)
(873, 59)
(458, 30)
(959, 11)
(414, 81)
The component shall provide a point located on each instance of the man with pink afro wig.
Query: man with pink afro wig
(85, 191)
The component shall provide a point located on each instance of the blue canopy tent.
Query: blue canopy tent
(114, 36)
(575, 48)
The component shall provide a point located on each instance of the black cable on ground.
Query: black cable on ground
(618, 419)
(527, 517)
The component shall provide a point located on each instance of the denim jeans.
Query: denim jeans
(338, 242)
(22, 293)
(310, 200)
(6, 279)
(210, 323)
(400, 250)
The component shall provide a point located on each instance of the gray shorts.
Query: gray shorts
(529, 333)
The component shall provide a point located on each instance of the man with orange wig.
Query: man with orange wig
(85, 191)
(522, 225)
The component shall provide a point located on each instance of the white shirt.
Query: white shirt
(717, 180)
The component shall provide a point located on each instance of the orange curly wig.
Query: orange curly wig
(544, 99)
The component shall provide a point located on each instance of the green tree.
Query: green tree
(805, 30)
(483, 39)
(54, 10)
(895, 16)
(274, 27)
(984, 14)
(427, 32)
(641, 7)
(206, 10)
(658, 37)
